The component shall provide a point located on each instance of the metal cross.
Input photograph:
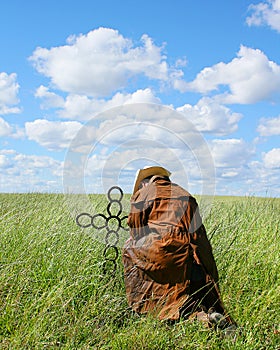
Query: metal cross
(111, 251)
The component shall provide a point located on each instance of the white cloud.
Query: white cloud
(238, 172)
(231, 153)
(269, 126)
(263, 177)
(139, 133)
(115, 126)
(8, 93)
(50, 99)
(31, 163)
(151, 134)
(3, 161)
(271, 159)
(265, 13)
(27, 173)
(12, 131)
(5, 128)
(211, 117)
(207, 115)
(249, 78)
(102, 61)
(119, 166)
(230, 174)
(54, 136)
(181, 62)
(151, 122)
(8, 151)
(81, 107)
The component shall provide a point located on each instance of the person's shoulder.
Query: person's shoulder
(180, 191)
(140, 195)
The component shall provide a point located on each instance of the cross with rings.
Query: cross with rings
(112, 223)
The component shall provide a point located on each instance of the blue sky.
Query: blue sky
(214, 65)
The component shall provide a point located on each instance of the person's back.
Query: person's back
(169, 266)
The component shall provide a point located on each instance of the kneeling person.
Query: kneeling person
(169, 267)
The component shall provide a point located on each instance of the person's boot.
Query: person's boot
(216, 319)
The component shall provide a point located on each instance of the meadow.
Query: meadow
(55, 294)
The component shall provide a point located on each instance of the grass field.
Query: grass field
(54, 295)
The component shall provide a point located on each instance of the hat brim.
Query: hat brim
(146, 172)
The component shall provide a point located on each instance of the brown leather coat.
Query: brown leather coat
(166, 238)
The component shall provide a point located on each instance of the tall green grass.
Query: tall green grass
(54, 295)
